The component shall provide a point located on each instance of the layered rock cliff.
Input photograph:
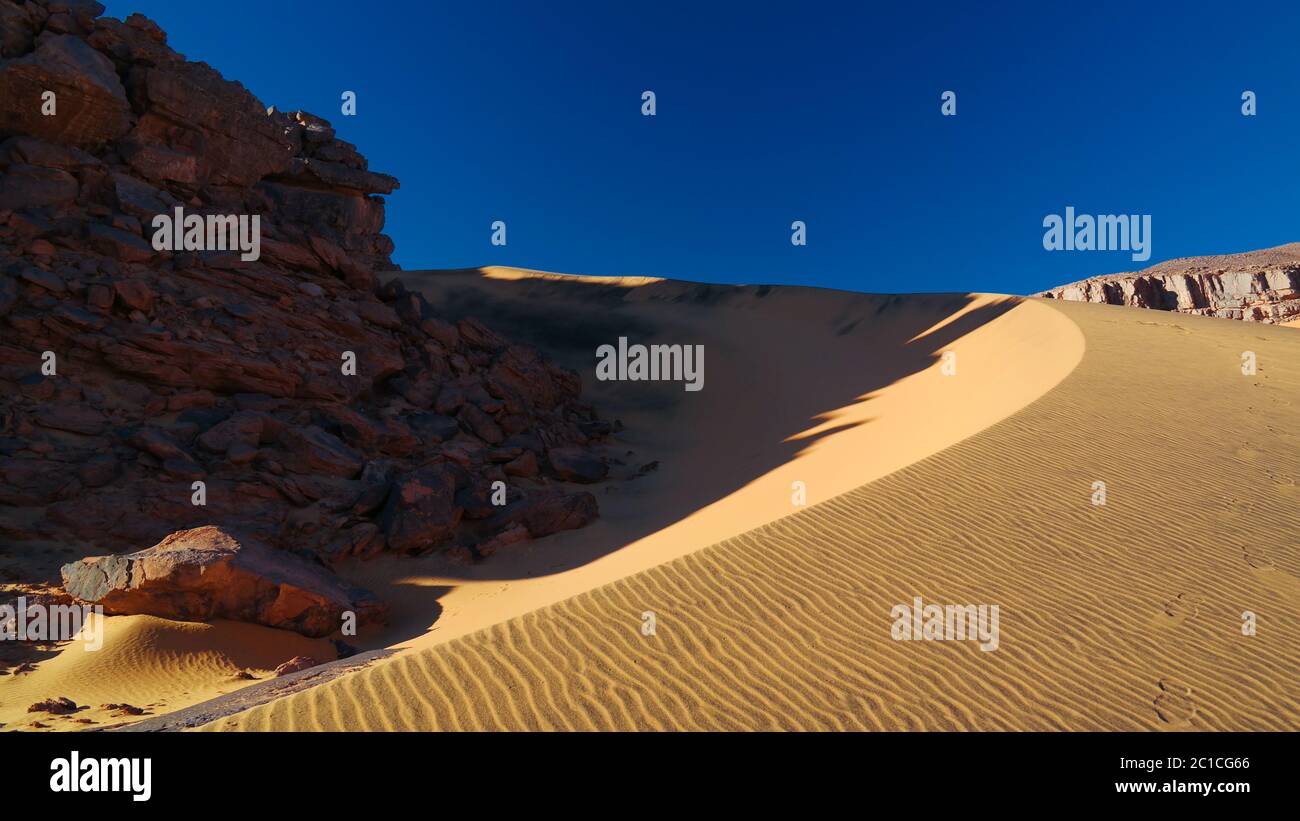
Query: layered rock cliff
(1257, 286)
(318, 412)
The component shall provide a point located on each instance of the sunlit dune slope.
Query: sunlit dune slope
(1122, 616)
(807, 393)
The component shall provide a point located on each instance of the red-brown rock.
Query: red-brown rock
(59, 706)
(90, 103)
(209, 573)
(421, 512)
(295, 665)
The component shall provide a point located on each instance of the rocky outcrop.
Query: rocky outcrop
(1258, 286)
(209, 573)
(290, 397)
(58, 706)
(295, 665)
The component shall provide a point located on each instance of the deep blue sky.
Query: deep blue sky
(529, 112)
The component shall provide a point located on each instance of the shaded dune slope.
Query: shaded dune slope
(1126, 616)
(823, 388)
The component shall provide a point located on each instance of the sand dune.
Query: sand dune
(1123, 616)
(150, 663)
(822, 387)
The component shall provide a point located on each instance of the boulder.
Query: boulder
(133, 293)
(313, 450)
(421, 512)
(243, 428)
(113, 242)
(574, 464)
(30, 186)
(550, 513)
(210, 573)
(59, 706)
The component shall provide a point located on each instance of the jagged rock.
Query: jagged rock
(123, 709)
(295, 665)
(550, 513)
(18, 27)
(74, 419)
(91, 105)
(421, 512)
(513, 534)
(314, 450)
(520, 373)
(433, 427)
(118, 244)
(1257, 286)
(48, 280)
(32, 151)
(59, 706)
(179, 365)
(577, 465)
(29, 186)
(477, 335)
(337, 174)
(228, 140)
(157, 443)
(134, 294)
(209, 573)
(243, 428)
(481, 424)
(525, 465)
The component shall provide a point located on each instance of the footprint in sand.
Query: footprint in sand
(1174, 705)
(1258, 558)
(1275, 577)
(1179, 609)
(1284, 484)
(1234, 509)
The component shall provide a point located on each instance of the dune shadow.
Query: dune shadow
(569, 318)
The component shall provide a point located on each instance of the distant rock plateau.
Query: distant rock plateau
(1256, 286)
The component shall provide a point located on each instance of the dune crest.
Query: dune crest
(1125, 616)
(860, 394)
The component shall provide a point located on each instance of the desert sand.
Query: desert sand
(152, 664)
(822, 387)
(970, 488)
(1122, 616)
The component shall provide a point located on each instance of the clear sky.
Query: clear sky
(530, 113)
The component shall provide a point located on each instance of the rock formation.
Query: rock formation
(290, 397)
(209, 573)
(1258, 286)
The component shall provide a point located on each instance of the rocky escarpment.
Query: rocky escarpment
(1258, 286)
(289, 396)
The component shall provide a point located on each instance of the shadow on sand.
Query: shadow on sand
(781, 364)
